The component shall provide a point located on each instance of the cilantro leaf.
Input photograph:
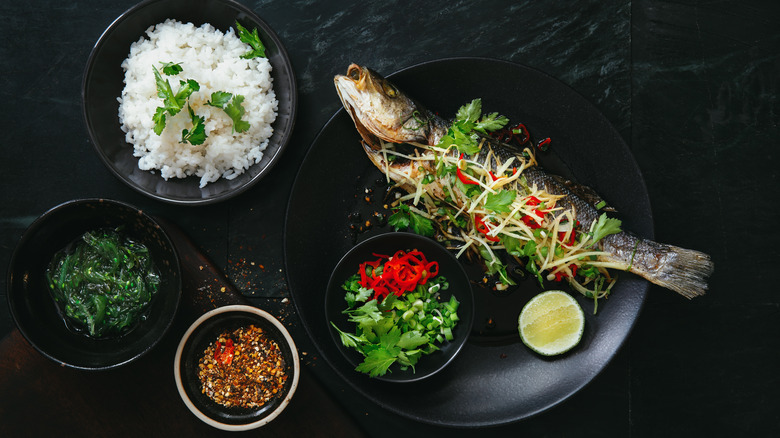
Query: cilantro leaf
(366, 314)
(421, 225)
(251, 38)
(404, 217)
(604, 227)
(198, 133)
(500, 201)
(348, 339)
(463, 132)
(159, 120)
(469, 112)
(491, 122)
(186, 88)
(412, 339)
(166, 93)
(400, 219)
(377, 362)
(171, 68)
(219, 99)
(235, 111)
(512, 245)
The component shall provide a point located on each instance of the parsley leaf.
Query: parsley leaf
(400, 220)
(604, 227)
(219, 99)
(235, 111)
(491, 122)
(463, 132)
(232, 106)
(171, 68)
(198, 133)
(405, 218)
(500, 201)
(412, 339)
(377, 362)
(159, 120)
(251, 38)
(172, 102)
(470, 112)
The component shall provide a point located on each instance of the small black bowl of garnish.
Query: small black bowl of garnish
(399, 307)
(236, 368)
(94, 284)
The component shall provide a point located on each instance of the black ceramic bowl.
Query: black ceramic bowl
(34, 309)
(205, 331)
(449, 267)
(103, 84)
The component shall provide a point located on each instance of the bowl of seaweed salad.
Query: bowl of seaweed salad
(94, 283)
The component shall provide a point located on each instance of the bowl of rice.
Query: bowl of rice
(189, 102)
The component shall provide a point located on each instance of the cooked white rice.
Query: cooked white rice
(213, 60)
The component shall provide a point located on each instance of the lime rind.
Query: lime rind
(551, 323)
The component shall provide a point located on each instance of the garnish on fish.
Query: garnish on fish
(488, 196)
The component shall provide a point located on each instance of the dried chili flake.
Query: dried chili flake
(243, 368)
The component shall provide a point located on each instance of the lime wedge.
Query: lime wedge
(551, 323)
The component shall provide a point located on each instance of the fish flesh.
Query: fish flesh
(383, 115)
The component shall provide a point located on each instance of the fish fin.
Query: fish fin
(687, 272)
(586, 193)
(682, 270)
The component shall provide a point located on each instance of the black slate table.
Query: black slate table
(691, 86)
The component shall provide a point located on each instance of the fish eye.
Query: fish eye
(354, 74)
(390, 89)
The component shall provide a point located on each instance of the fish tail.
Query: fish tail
(685, 272)
(682, 270)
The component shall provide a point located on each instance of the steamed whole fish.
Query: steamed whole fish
(384, 115)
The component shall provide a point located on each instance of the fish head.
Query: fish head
(379, 109)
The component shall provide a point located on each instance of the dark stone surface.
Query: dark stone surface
(692, 87)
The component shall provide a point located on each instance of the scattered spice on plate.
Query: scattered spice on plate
(243, 368)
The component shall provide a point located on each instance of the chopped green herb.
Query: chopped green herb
(171, 68)
(219, 99)
(197, 135)
(500, 201)
(604, 227)
(404, 218)
(467, 120)
(253, 39)
(172, 102)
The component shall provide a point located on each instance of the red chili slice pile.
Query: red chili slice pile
(401, 273)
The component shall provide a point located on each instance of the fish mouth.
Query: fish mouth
(356, 90)
(350, 88)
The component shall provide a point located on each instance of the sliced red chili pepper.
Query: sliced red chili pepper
(530, 222)
(480, 226)
(462, 176)
(560, 275)
(400, 273)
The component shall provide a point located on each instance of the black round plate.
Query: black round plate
(449, 268)
(496, 379)
(103, 84)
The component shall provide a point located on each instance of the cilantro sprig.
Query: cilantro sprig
(465, 129)
(232, 106)
(253, 39)
(603, 227)
(403, 218)
(173, 102)
(197, 135)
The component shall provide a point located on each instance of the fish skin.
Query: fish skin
(380, 111)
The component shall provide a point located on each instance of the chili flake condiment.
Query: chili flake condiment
(243, 368)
